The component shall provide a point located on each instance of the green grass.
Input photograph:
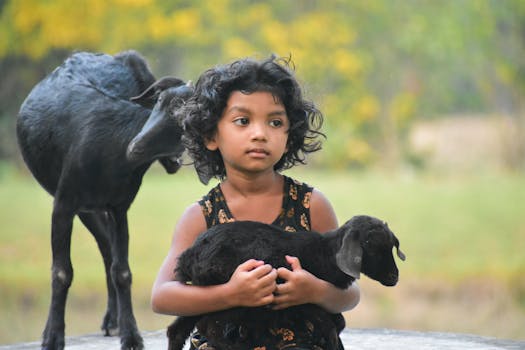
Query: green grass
(453, 229)
(450, 228)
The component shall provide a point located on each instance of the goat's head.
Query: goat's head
(160, 137)
(366, 247)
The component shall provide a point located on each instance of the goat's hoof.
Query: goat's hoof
(109, 326)
(133, 342)
(110, 332)
(53, 342)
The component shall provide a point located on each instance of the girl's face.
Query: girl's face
(252, 132)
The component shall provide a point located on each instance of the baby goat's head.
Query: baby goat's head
(366, 247)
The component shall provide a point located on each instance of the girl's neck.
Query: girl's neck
(253, 185)
(254, 198)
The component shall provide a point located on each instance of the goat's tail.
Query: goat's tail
(179, 331)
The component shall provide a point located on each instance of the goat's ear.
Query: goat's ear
(148, 97)
(204, 177)
(350, 255)
(399, 252)
(204, 174)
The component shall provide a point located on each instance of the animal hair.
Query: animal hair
(362, 245)
(89, 146)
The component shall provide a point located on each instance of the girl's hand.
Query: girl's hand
(300, 286)
(253, 284)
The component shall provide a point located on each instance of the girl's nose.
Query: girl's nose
(258, 131)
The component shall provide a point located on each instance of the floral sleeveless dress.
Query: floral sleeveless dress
(294, 216)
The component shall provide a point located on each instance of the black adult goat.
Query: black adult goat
(363, 244)
(89, 146)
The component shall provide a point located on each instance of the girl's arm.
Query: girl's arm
(301, 286)
(252, 283)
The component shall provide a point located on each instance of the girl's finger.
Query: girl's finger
(249, 265)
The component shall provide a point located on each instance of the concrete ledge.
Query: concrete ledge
(355, 339)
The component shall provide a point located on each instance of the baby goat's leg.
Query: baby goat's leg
(180, 330)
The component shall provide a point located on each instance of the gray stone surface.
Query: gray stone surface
(354, 339)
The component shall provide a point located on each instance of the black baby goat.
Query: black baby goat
(362, 245)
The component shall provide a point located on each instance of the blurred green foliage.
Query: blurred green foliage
(374, 67)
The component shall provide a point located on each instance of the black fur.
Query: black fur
(363, 244)
(89, 146)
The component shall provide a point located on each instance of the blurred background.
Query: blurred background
(424, 104)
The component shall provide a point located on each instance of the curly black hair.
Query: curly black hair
(203, 110)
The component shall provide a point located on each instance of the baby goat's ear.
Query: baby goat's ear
(399, 252)
(350, 255)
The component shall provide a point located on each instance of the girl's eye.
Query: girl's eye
(276, 123)
(241, 121)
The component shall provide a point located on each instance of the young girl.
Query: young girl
(246, 122)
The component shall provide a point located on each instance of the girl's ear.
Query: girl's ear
(211, 144)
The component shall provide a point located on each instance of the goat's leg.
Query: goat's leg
(130, 338)
(61, 275)
(98, 224)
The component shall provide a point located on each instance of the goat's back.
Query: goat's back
(78, 120)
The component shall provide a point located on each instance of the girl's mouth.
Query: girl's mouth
(258, 152)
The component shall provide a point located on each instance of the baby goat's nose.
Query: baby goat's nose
(391, 279)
